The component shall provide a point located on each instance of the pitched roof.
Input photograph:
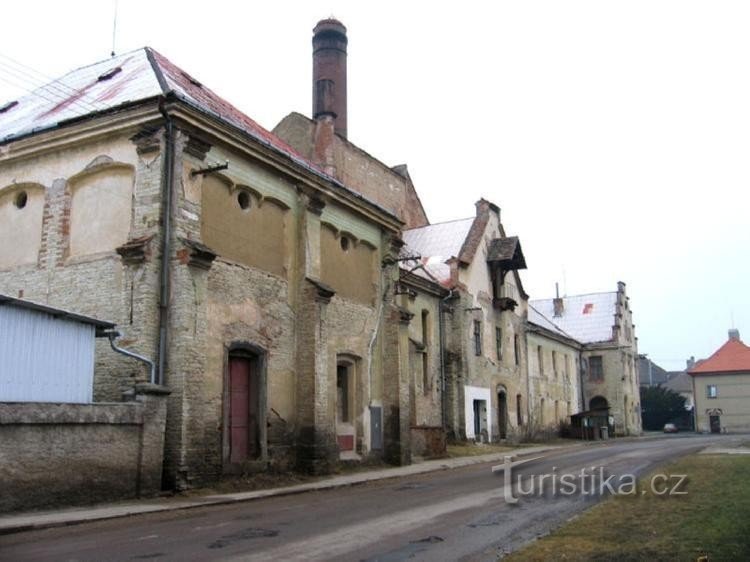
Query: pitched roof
(507, 252)
(436, 244)
(587, 318)
(732, 357)
(536, 317)
(651, 373)
(679, 382)
(120, 81)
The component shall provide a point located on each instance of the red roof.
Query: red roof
(733, 356)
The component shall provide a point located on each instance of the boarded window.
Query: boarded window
(100, 211)
(348, 267)
(241, 228)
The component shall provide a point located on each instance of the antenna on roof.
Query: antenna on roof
(114, 30)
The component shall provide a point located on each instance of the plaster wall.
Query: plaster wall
(732, 402)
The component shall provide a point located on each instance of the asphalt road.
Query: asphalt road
(459, 514)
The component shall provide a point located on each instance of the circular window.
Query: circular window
(344, 243)
(243, 200)
(21, 200)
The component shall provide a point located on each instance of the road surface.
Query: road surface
(458, 514)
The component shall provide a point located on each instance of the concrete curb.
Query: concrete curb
(49, 519)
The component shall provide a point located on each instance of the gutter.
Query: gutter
(166, 246)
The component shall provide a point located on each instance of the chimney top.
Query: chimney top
(734, 334)
(329, 73)
(331, 25)
(558, 304)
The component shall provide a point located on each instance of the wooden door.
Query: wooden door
(715, 422)
(243, 410)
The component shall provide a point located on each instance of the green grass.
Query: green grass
(712, 519)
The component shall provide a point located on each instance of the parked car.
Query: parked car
(670, 428)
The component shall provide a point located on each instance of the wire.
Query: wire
(50, 89)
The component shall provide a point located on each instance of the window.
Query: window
(477, 337)
(516, 349)
(567, 367)
(711, 391)
(540, 359)
(499, 343)
(554, 363)
(425, 327)
(596, 368)
(519, 412)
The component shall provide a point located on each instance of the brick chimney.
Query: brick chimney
(557, 303)
(329, 73)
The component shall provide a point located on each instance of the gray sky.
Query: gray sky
(614, 135)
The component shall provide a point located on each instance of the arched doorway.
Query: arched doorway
(243, 412)
(598, 403)
(502, 412)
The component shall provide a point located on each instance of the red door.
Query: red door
(239, 406)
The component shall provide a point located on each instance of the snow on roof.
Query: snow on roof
(587, 318)
(436, 244)
(106, 84)
(536, 317)
(129, 78)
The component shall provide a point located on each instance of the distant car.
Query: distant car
(670, 428)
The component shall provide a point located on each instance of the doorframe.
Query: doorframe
(259, 358)
(352, 364)
(502, 426)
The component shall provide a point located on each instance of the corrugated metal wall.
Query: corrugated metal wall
(43, 358)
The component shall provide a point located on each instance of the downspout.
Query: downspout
(112, 335)
(441, 327)
(580, 380)
(166, 245)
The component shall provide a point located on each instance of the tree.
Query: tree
(660, 405)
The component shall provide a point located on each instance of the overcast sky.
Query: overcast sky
(613, 135)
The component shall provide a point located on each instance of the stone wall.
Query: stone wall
(75, 454)
(555, 386)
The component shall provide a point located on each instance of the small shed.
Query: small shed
(46, 354)
(590, 425)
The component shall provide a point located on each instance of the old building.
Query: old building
(486, 394)
(554, 359)
(602, 323)
(721, 388)
(261, 285)
(288, 285)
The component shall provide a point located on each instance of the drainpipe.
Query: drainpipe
(114, 334)
(441, 342)
(166, 246)
(580, 379)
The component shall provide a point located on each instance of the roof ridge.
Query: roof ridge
(160, 78)
(437, 224)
